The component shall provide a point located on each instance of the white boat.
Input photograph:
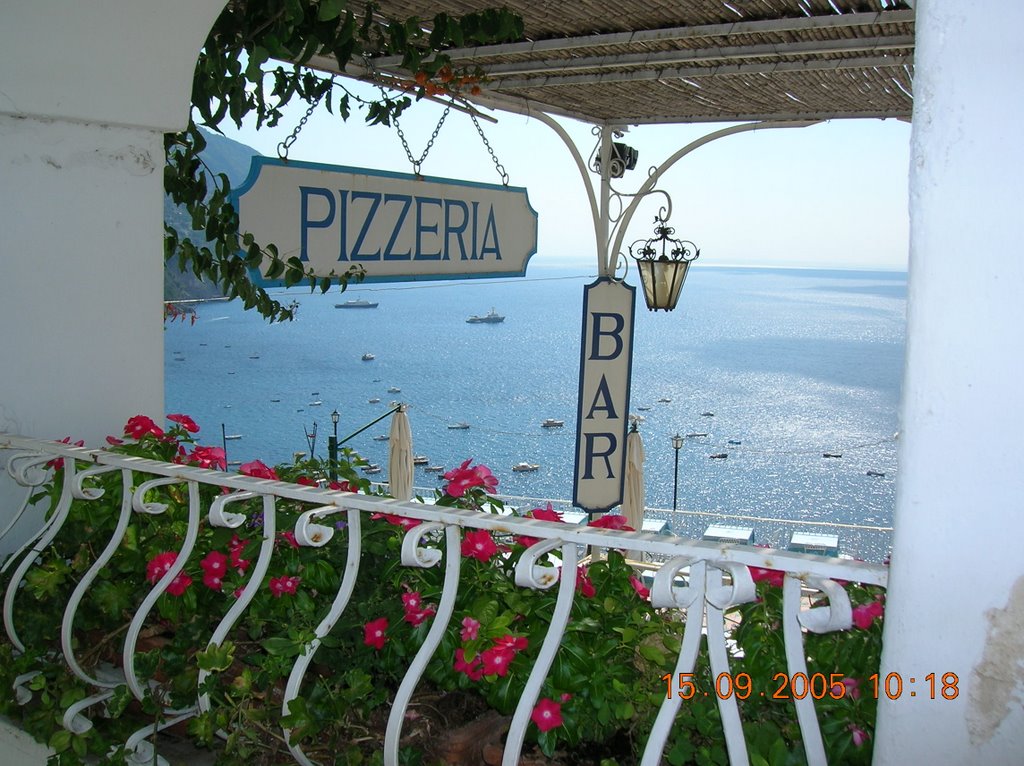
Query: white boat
(458, 426)
(434, 468)
(552, 423)
(368, 357)
(371, 468)
(232, 437)
(664, 400)
(317, 403)
(374, 400)
(523, 467)
(358, 303)
(381, 438)
(420, 460)
(394, 390)
(492, 317)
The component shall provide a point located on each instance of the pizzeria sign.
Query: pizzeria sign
(396, 226)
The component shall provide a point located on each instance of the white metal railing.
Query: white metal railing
(717, 579)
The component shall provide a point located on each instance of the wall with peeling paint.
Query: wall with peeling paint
(956, 598)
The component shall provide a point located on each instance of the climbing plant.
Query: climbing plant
(253, 64)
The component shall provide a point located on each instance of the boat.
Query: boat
(695, 435)
(434, 468)
(317, 403)
(643, 409)
(394, 390)
(368, 357)
(524, 467)
(381, 438)
(831, 454)
(719, 456)
(357, 303)
(232, 437)
(872, 472)
(420, 460)
(275, 400)
(492, 317)
(374, 400)
(664, 400)
(707, 414)
(735, 442)
(371, 468)
(458, 426)
(552, 423)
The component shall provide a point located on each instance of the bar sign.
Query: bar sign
(606, 356)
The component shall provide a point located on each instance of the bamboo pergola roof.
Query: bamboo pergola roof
(686, 61)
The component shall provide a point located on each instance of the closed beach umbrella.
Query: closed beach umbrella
(400, 456)
(633, 501)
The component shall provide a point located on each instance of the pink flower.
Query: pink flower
(472, 669)
(496, 660)
(398, 521)
(611, 521)
(547, 714)
(114, 441)
(159, 565)
(412, 601)
(583, 584)
(279, 586)
(235, 548)
(641, 590)
(852, 688)
(858, 735)
(470, 629)
(140, 426)
(342, 486)
(865, 614)
(208, 457)
(374, 633)
(462, 478)
(214, 563)
(185, 422)
(419, 616)
(479, 545)
(258, 469)
(305, 481)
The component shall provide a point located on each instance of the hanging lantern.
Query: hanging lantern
(663, 262)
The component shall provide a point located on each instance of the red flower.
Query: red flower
(472, 669)
(208, 457)
(258, 469)
(496, 660)
(583, 583)
(774, 577)
(342, 486)
(865, 614)
(398, 521)
(140, 426)
(479, 545)
(412, 601)
(214, 563)
(235, 548)
(213, 582)
(374, 633)
(470, 629)
(419, 616)
(159, 565)
(611, 521)
(641, 590)
(179, 584)
(462, 478)
(282, 585)
(114, 441)
(305, 481)
(515, 643)
(541, 514)
(58, 463)
(547, 714)
(185, 422)
(289, 537)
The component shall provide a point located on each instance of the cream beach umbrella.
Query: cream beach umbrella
(400, 468)
(633, 500)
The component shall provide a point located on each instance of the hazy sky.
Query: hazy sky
(831, 195)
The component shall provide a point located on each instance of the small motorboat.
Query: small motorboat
(735, 442)
(434, 468)
(552, 423)
(664, 400)
(381, 438)
(719, 456)
(374, 400)
(695, 435)
(317, 403)
(368, 357)
(420, 460)
(394, 390)
(643, 409)
(524, 467)
(458, 426)
(371, 468)
(358, 303)
(872, 472)
(831, 454)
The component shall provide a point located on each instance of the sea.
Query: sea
(793, 374)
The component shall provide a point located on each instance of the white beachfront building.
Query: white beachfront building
(87, 91)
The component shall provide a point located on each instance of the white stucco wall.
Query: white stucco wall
(86, 92)
(956, 602)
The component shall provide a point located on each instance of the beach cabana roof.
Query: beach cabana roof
(671, 61)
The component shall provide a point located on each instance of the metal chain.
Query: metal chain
(284, 146)
(416, 164)
(497, 165)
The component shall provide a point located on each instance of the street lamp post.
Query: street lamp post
(677, 443)
(332, 447)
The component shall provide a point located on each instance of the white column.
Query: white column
(86, 92)
(956, 602)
